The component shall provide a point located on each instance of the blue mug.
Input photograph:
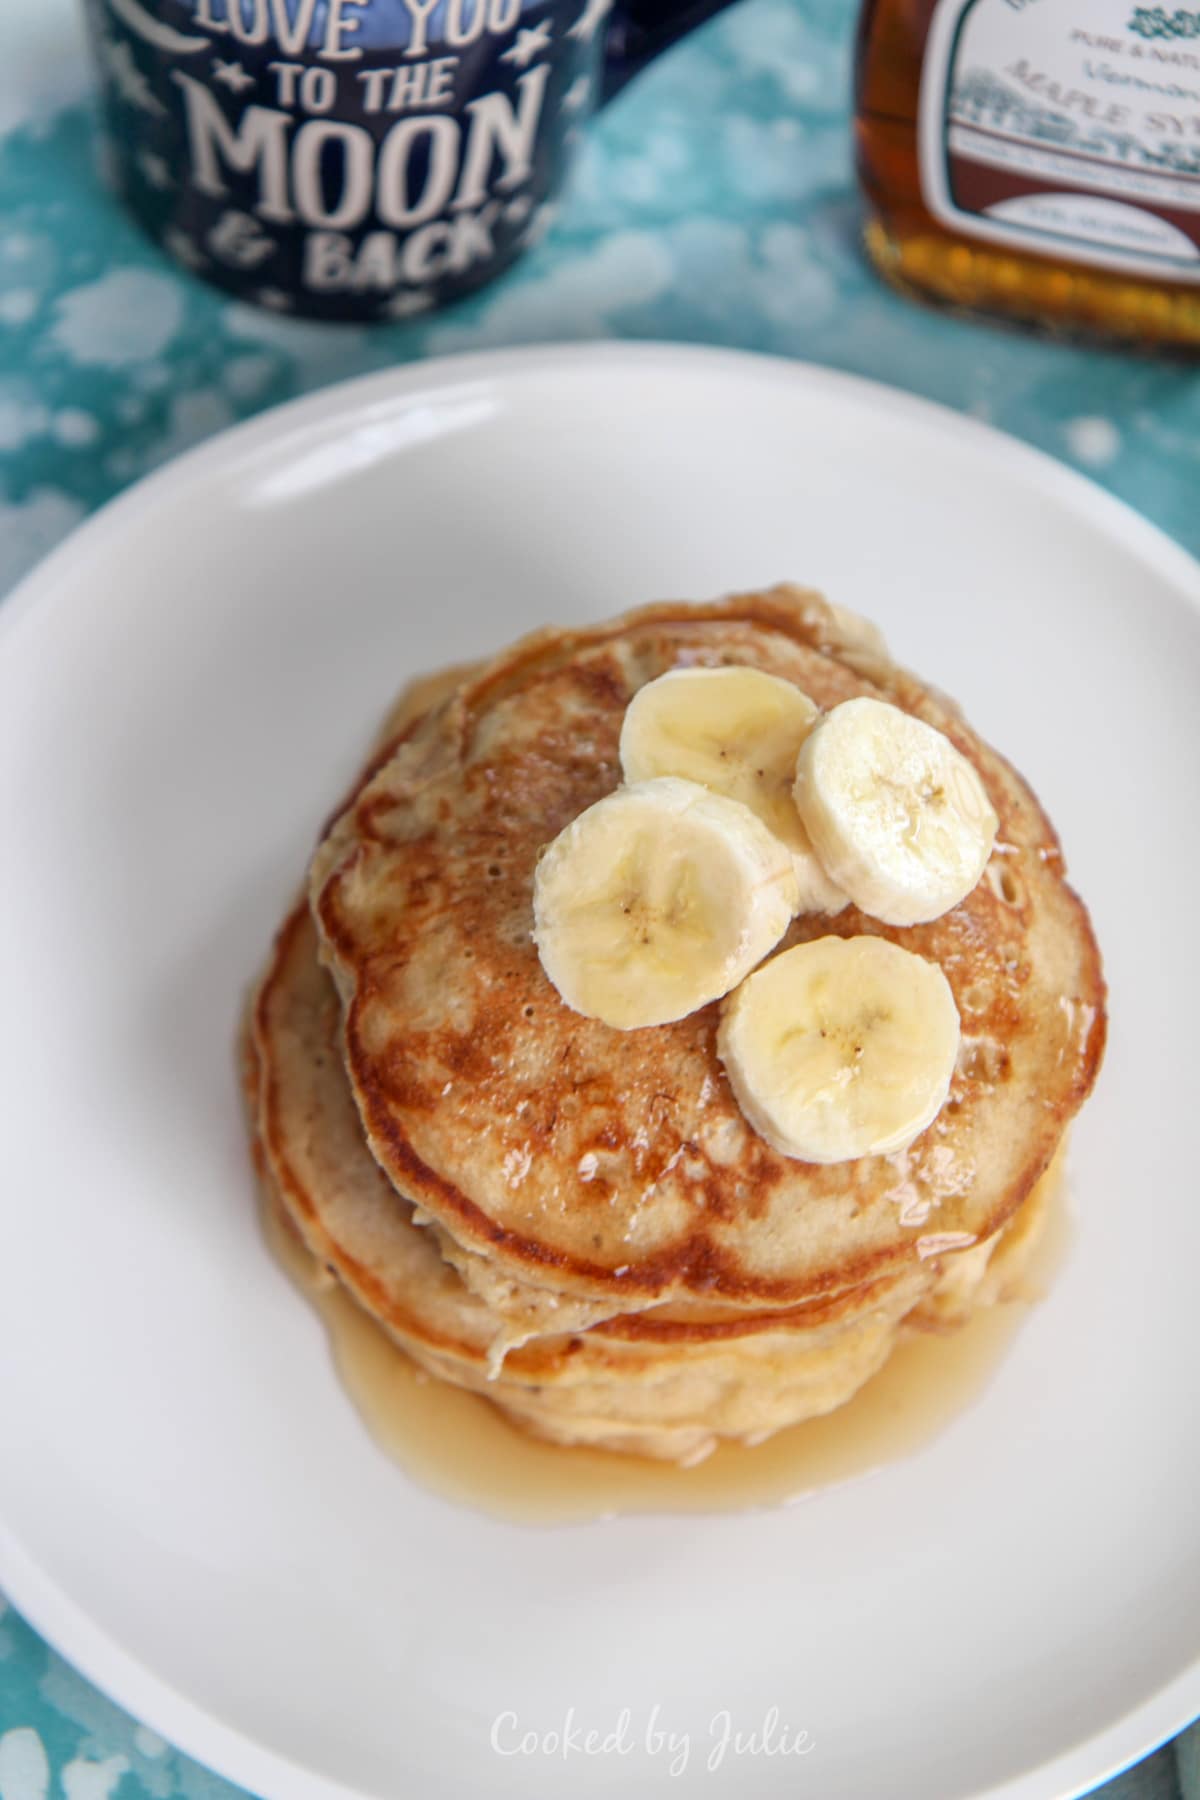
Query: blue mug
(359, 159)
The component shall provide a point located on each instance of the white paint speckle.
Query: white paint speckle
(21, 421)
(299, 337)
(576, 299)
(153, 379)
(148, 1743)
(192, 418)
(44, 71)
(122, 465)
(24, 1769)
(129, 316)
(93, 1780)
(74, 429)
(18, 306)
(247, 376)
(589, 1162)
(1094, 441)
(28, 528)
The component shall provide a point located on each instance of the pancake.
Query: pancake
(616, 1169)
(661, 1386)
(521, 1310)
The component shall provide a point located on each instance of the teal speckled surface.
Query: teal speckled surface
(713, 202)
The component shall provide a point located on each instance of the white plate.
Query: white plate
(189, 1506)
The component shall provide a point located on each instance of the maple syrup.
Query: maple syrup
(461, 1447)
(1038, 159)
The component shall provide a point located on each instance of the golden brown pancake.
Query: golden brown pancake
(666, 1388)
(617, 1168)
(663, 1387)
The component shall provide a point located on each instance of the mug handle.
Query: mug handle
(640, 29)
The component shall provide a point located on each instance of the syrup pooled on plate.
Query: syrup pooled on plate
(461, 1447)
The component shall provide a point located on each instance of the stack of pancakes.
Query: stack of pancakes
(578, 1222)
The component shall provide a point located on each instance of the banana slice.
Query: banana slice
(899, 819)
(738, 732)
(840, 1048)
(658, 899)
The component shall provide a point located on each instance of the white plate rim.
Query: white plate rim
(48, 1608)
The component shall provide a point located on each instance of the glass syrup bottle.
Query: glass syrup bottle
(1038, 159)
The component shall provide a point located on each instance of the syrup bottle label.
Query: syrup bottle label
(1067, 127)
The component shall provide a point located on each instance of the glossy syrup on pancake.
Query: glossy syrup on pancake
(458, 1445)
